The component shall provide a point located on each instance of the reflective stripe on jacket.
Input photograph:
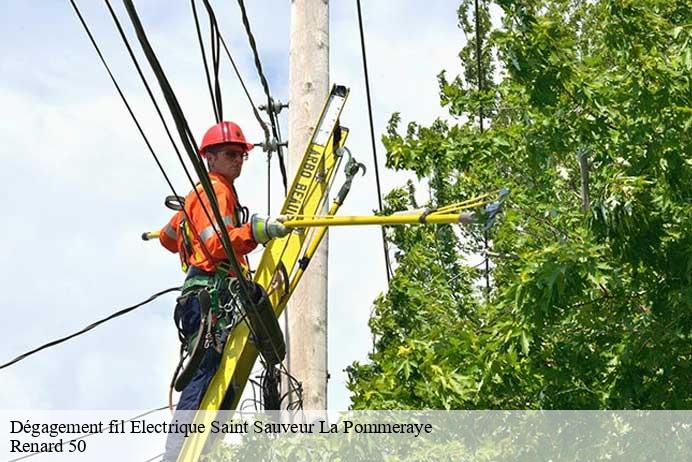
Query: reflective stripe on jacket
(206, 258)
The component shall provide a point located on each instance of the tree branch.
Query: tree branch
(582, 157)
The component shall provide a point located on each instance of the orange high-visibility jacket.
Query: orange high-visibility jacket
(206, 257)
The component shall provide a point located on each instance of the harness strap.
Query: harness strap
(195, 282)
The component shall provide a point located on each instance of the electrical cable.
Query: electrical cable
(213, 93)
(257, 387)
(269, 183)
(253, 46)
(88, 328)
(277, 135)
(255, 111)
(265, 86)
(372, 140)
(170, 100)
(217, 39)
(158, 110)
(215, 55)
(279, 143)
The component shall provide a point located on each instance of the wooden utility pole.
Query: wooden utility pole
(308, 90)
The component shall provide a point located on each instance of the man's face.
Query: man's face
(227, 160)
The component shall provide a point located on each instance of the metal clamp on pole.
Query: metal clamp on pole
(276, 106)
(271, 145)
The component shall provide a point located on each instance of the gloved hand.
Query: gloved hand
(264, 229)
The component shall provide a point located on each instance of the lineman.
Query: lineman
(201, 251)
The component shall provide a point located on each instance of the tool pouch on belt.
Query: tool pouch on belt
(269, 339)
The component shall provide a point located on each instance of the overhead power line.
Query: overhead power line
(265, 85)
(262, 123)
(88, 328)
(160, 114)
(217, 33)
(215, 92)
(372, 140)
(216, 41)
(188, 141)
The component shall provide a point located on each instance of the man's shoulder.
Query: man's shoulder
(221, 188)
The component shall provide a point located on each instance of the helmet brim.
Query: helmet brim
(248, 147)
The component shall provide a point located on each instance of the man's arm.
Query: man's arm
(168, 236)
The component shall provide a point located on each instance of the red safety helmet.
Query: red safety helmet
(224, 133)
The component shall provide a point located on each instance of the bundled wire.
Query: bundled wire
(216, 39)
(267, 392)
(183, 129)
(187, 139)
(214, 92)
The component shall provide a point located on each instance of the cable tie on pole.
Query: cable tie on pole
(423, 216)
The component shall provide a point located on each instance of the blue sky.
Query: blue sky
(79, 186)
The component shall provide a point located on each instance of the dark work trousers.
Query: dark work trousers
(192, 394)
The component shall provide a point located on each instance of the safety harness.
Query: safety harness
(217, 297)
(219, 312)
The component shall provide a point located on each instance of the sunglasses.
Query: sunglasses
(227, 152)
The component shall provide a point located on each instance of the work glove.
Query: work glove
(264, 229)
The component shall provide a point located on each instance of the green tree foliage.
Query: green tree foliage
(590, 306)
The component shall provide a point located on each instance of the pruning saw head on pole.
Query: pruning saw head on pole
(225, 148)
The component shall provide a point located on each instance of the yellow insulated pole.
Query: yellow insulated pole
(390, 220)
